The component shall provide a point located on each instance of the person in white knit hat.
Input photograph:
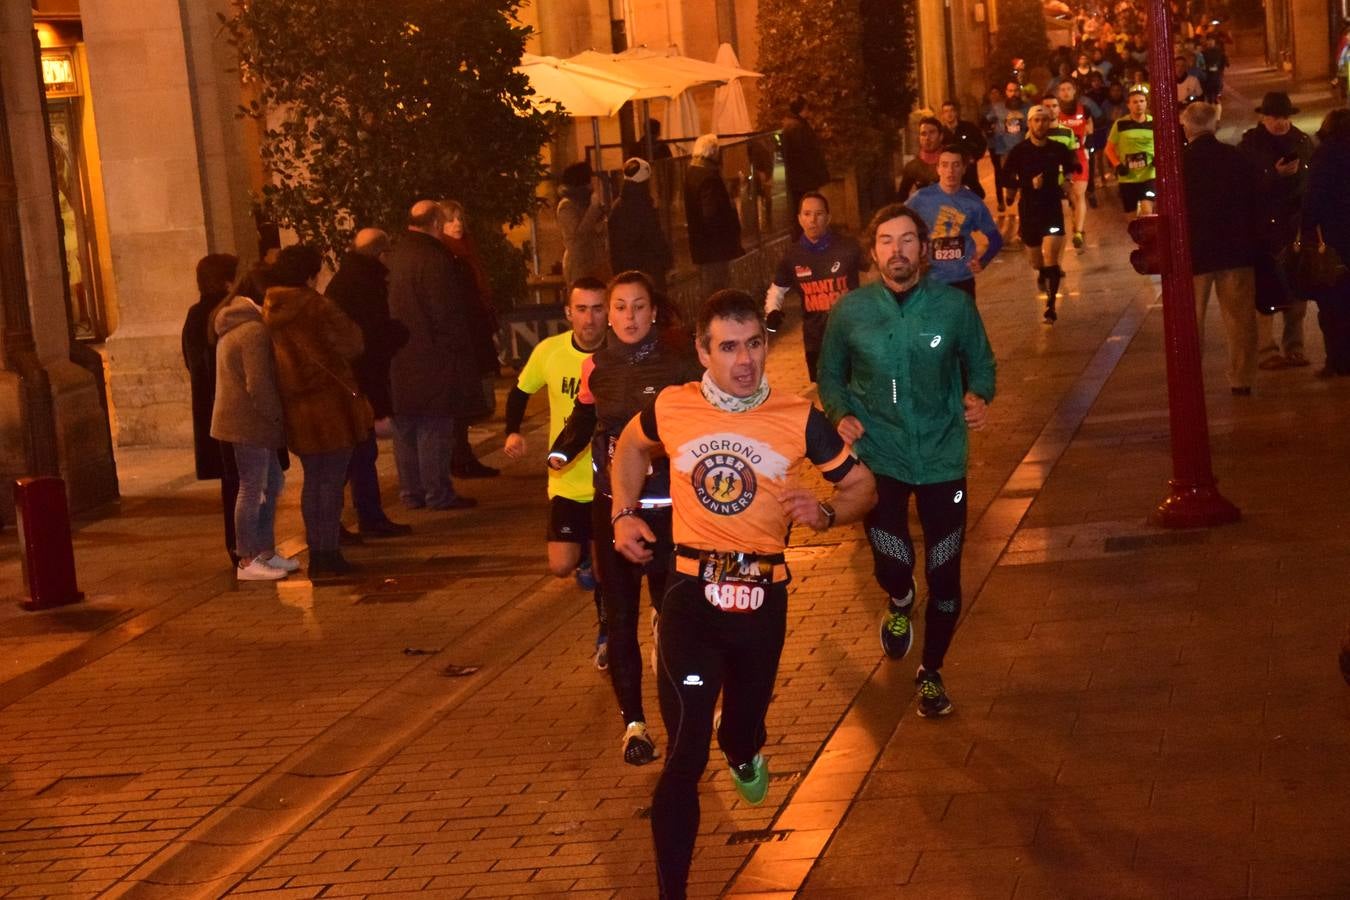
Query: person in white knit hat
(714, 227)
(635, 237)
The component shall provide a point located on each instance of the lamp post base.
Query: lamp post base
(1194, 506)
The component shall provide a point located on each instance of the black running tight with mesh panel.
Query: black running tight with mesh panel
(942, 516)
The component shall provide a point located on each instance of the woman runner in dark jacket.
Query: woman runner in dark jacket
(617, 383)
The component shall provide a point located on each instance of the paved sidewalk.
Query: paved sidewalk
(1139, 712)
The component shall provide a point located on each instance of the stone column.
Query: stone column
(1310, 31)
(51, 420)
(157, 215)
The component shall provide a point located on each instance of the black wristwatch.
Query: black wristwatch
(828, 510)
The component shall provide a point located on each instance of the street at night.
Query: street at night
(1147, 689)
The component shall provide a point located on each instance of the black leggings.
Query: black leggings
(704, 650)
(813, 335)
(1002, 187)
(229, 495)
(621, 592)
(942, 515)
(1333, 317)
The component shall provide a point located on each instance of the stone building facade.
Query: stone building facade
(122, 111)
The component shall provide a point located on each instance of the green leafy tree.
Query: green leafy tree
(815, 50)
(888, 54)
(1021, 35)
(368, 105)
(854, 62)
(889, 67)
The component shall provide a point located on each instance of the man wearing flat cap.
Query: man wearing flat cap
(1281, 151)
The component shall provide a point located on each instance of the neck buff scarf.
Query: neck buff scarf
(732, 404)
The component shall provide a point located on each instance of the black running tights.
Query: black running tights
(704, 650)
(621, 592)
(942, 515)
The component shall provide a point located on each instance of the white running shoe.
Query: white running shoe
(277, 561)
(638, 746)
(258, 571)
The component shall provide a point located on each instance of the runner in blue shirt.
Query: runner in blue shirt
(953, 214)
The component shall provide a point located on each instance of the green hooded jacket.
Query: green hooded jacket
(903, 367)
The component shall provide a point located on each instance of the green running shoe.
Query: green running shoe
(752, 780)
(897, 632)
(933, 699)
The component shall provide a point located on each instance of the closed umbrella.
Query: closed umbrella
(682, 122)
(730, 113)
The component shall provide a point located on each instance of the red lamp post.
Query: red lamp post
(1193, 498)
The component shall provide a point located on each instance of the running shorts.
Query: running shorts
(1083, 170)
(1036, 222)
(1131, 192)
(569, 521)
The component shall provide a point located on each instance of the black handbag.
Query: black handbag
(1314, 269)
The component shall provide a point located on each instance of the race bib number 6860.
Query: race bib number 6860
(730, 596)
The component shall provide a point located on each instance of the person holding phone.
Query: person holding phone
(1282, 152)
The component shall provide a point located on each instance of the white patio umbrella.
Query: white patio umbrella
(595, 91)
(682, 73)
(731, 115)
(657, 79)
(578, 90)
(718, 72)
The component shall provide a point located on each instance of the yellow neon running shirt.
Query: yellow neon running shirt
(555, 363)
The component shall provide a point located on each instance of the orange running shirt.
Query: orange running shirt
(729, 470)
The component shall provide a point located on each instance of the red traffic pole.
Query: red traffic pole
(1193, 498)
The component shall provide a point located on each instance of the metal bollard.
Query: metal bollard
(43, 522)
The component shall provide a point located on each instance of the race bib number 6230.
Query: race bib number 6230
(731, 596)
(949, 249)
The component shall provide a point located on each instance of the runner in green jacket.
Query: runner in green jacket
(905, 369)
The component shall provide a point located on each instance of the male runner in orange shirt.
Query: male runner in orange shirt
(734, 447)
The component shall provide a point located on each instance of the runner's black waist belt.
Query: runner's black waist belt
(774, 559)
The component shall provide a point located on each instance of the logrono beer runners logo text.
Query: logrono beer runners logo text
(725, 469)
(725, 482)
